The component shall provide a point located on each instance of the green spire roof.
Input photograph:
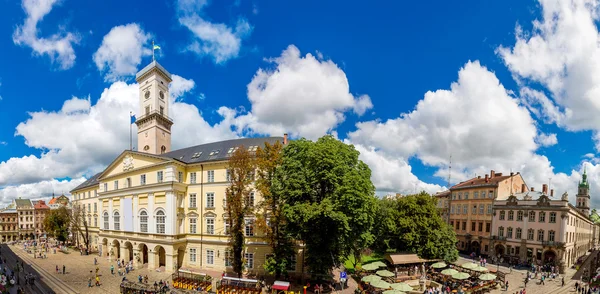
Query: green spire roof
(584, 182)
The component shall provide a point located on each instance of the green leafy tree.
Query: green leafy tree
(57, 223)
(329, 200)
(241, 173)
(413, 224)
(271, 218)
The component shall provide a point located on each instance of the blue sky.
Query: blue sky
(409, 83)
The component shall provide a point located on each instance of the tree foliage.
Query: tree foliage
(271, 218)
(57, 223)
(329, 200)
(241, 173)
(412, 224)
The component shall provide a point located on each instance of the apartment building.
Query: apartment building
(26, 220)
(9, 225)
(471, 207)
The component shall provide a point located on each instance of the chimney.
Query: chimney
(498, 174)
(551, 192)
(492, 174)
(487, 179)
(478, 177)
(532, 189)
(545, 188)
(285, 139)
(512, 174)
(523, 188)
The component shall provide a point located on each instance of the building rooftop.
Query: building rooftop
(9, 211)
(41, 204)
(23, 203)
(489, 180)
(215, 151)
(150, 66)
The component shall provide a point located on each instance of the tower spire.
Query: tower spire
(449, 171)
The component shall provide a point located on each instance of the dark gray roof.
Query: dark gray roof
(90, 182)
(150, 66)
(201, 153)
(217, 150)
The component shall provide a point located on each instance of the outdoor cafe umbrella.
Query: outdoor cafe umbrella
(480, 269)
(440, 264)
(393, 292)
(379, 264)
(487, 277)
(370, 278)
(449, 272)
(370, 267)
(402, 287)
(469, 265)
(460, 276)
(380, 284)
(385, 273)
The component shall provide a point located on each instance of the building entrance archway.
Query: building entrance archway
(143, 258)
(128, 251)
(549, 256)
(180, 256)
(160, 257)
(476, 247)
(500, 250)
(116, 250)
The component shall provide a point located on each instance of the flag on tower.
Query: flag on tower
(156, 47)
(132, 116)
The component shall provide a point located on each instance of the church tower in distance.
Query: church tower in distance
(153, 122)
(583, 194)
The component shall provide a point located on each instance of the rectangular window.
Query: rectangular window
(454, 196)
(466, 195)
(542, 216)
(105, 187)
(210, 256)
(147, 110)
(193, 225)
(519, 216)
(459, 195)
(210, 176)
(474, 209)
(481, 208)
(464, 226)
(192, 178)
(250, 200)
(95, 221)
(143, 179)
(228, 175)
(530, 234)
(210, 225)
(95, 193)
(292, 266)
(159, 176)
(518, 234)
(487, 227)
(532, 216)
(128, 182)
(228, 258)
(502, 215)
(180, 177)
(540, 235)
(480, 227)
(475, 195)
(249, 260)
(452, 209)
(501, 231)
(227, 226)
(210, 200)
(116, 185)
(517, 250)
(193, 200)
(553, 217)
(509, 233)
(551, 236)
(249, 227)
(458, 209)
(473, 224)
(465, 209)
(491, 194)
(192, 254)
(452, 224)
(162, 110)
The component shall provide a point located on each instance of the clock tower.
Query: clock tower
(153, 122)
(583, 194)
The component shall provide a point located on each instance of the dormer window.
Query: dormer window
(214, 152)
(230, 151)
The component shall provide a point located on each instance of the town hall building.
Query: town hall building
(166, 208)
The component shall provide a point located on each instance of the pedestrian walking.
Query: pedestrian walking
(95, 261)
(112, 269)
(97, 281)
(56, 267)
(562, 282)
(506, 284)
(89, 282)
(64, 269)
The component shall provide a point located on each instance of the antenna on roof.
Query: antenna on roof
(511, 182)
(449, 171)
(549, 183)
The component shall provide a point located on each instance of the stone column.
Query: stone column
(152, 218)
(171, 262)
(137, 257)
(111, 225)
(152, 259)
(171, 212)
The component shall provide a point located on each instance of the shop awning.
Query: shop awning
(281, 286)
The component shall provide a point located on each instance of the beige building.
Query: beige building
(471, 204)
(163, 208)
(443, 205)
(533, 226)
(9, 224)
(26, 219)
(40, 211)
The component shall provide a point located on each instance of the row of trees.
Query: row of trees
(59, 221)
(321, 195)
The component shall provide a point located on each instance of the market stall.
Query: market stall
(184, 279)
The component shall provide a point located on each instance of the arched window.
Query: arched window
(509, 233)
(540, 235)
(106, 220)
(501, 231)
(117, 221)
(143, 221)
(518, 234)
(511, 215)
(160, 222)
(163, 149)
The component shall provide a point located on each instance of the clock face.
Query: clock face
(161, 94)
(147, 94)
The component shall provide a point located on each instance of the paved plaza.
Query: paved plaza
(78, 269)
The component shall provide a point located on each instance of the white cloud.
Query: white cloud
(38, 191)
(302, 96)
(216, 40)
(81, 139)
(561, 53)
(546, 140)
(121, 51)
(3, 143)
(180, 86)
(59, 46)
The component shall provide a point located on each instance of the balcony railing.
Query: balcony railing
(499, 238)
(153, 113)
(553, 243)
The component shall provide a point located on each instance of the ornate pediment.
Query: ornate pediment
(527, 197)
(192, 214)
(543, 201)
(210, 214)
(128, 163)
(512, 200)
(565, 197)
